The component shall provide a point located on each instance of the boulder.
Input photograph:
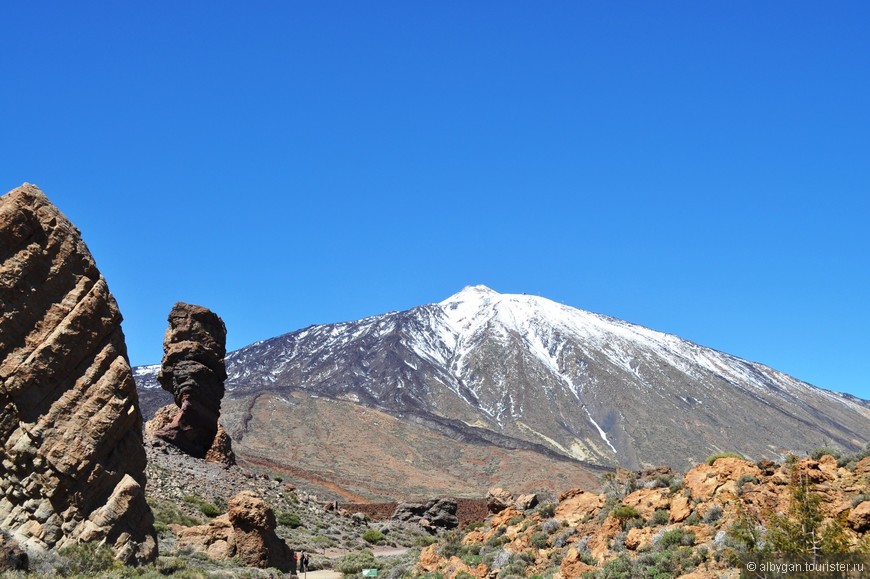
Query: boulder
(526, 502)
(247, 531)
(12, 556)
(72, 461)
(859, 518)
(193, 371)
(498, 499)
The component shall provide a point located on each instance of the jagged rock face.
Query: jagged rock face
(71, 455)
(247, 531)
(437, 513)
(193, 371)
(221, 450)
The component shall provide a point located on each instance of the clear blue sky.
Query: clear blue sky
(701, 168)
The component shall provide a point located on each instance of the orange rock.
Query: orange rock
(640, 538)
(578, 505)
(572, 566)
(681, 508)
(247, 531)
(859, 518)
(647, 501)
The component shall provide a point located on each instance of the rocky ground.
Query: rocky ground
(704, 524)
(185, 490)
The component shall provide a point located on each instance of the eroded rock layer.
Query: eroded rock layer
(193, 370)
(71, 456)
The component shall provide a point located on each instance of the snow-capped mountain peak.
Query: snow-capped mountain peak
(583, 385)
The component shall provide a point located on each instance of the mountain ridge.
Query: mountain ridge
(588, 387)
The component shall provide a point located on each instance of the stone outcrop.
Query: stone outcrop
(193, 370)
(12, 556)
(221, 450)
(498, 499)
(71, 455)
(434, 514)
(247, 531)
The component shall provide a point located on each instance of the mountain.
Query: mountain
(524, 373)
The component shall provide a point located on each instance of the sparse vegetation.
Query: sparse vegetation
(373, 536)
(291, 520)
(730, 454)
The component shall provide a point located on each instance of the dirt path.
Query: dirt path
(323, 574)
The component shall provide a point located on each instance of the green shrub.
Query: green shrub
(660, 517)
(716, 456)
(354, 563)
(87, 558)
(546, 510)
(208, 509)
(713, 514)
(373, 536)
(826, 450)
(676, 538)
(539, 540)
(167, 513)
(291, 520)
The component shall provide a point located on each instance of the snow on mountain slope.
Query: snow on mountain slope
(583, 385)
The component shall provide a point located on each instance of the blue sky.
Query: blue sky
(700, 168)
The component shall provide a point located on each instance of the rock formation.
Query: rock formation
(435, 514)
(664, 524)
(247, 531)
(71, 456)
(221, 450)
(193, 371)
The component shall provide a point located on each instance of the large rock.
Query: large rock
(71, 456)
(436, 513)
(221, 450)
(498, 499)
(193, 370)
(247, 531)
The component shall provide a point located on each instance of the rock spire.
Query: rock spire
(71, 455)
(193, 371)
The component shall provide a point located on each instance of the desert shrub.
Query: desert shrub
(515, 520)
(628, 517)
(87, 558)
(546, 510)
(619, 487)
(354, 563)
(291, 520)
(167, 513)
(451, 545)
(717, 455)
(562, 539)
(539, 540)
(676, 485)
(676, 538)
(373, 536)
(826, 450)
(660, 517)
(624, 512)
(473, 526)
(692, 519)
(850, 461)
(802, 533)
(550, 526)
(208, 509)
(713, 514)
